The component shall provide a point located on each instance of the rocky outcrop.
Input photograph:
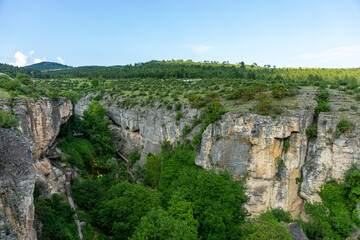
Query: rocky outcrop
(142, 128)
(39, 120)
(329, 156)
(21, 151)
(49, 178)
(17, 182)
(6, 229)
(252, 146)
(296, 231)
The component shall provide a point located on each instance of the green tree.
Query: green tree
(123, 206)
(95, 127)
(157, 224)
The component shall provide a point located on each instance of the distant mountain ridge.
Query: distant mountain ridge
(43, 66)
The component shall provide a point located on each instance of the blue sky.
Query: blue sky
(285, 33)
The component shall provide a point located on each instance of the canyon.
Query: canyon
(280, 166)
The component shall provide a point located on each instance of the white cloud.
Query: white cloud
(20, 59)
(333, 54)
(199, 49)
(31, 52)
(39, 60)
(62, 61)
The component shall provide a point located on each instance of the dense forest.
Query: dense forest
(42, 66)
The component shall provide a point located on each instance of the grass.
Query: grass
(4, 93)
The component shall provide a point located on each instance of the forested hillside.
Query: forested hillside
(43, 66)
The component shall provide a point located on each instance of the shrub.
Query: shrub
(178, 106)
(152, 169)
(197, 101)
(7, 120)
(322, 107)
(267, 227)
(286, 145)
(178, 116)
(343, 126)
(279, 90)
(311, 132)
(186, 130)
(134, 157)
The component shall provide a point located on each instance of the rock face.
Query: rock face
(248, 145)
(49, 178)
(252, 146)
(142, 128)
(39, 120)
(6, 229)
(17, 181)
(281, 167)
(296, 231)
(329, 156)
(21, 153)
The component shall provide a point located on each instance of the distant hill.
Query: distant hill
(43, 66)
(12, 71)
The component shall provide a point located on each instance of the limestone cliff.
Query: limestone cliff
(17, 181)
(252, 146)
(39, 120)
(142, 128)
(329, 156)
(281, 167)
(22, 151)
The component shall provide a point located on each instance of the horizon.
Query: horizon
(307, 34)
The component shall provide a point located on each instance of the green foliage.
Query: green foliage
(216, 199)
(335, 216)
(214, 111)
(86, 193)
(323, 95)
(265, 227)
(95, 127)
(56, 218)
(81, 152)
(186, 130)
(322, 107)
(178, 106)
(95, 82)
(7, 120)
(343, 126)
(178, 116)
(134, 157)
(279, 214)
(279, 90)
(357, 97)
(266, 105)
(157, 224)
(197, 101)
(70, 95)
(183, 209)
(24, 79)
(323, 102)
(311, 132)
(122, 207)
(286, 145)
(153, 169)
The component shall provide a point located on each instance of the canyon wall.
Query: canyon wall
(23, 164)
(281, 167)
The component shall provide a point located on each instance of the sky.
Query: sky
(284, 33)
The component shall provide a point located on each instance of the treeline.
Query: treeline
(12, 71)
(191, 70)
